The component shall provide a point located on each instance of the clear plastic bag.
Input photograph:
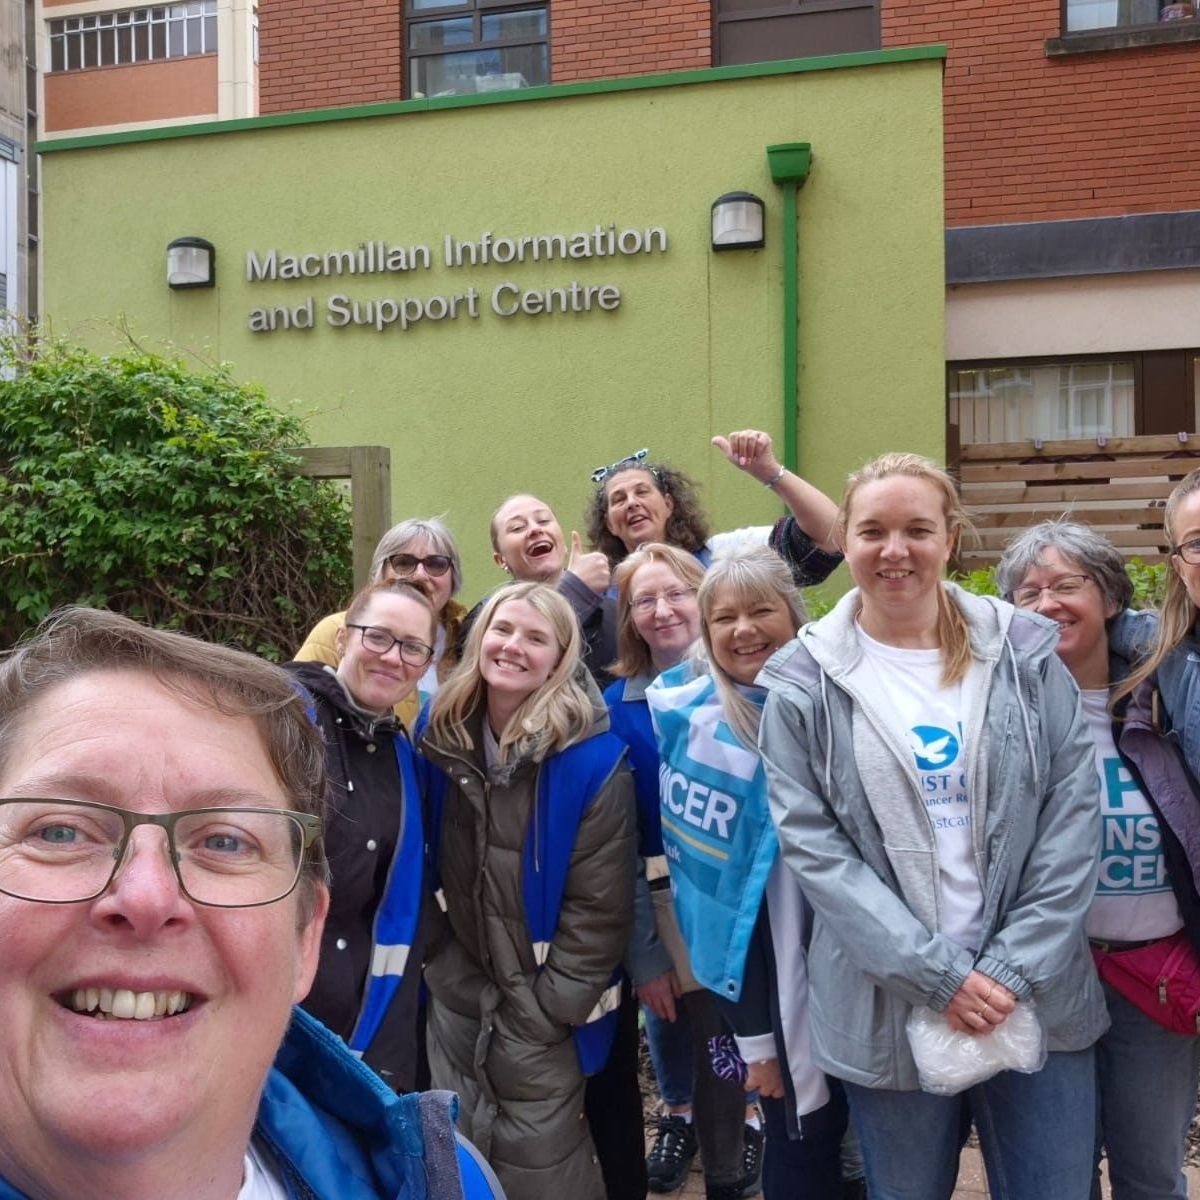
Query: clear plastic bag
(950, 1062)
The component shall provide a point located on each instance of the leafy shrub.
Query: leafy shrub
(1149, 582)
(136, 484)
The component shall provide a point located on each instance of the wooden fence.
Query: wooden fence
(1117, 485)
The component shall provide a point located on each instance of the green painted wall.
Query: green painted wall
(474, 409)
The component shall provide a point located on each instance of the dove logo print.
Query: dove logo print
(932, 747)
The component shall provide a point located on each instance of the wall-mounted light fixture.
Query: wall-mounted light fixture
(191, 263)
(737, 222)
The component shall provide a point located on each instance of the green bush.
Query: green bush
(136, 484)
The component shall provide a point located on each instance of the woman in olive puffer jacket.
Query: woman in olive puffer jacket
(536, 846)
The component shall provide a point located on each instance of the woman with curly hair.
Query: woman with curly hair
(535, 837)
(637, 501)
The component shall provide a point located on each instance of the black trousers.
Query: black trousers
(613, 1103)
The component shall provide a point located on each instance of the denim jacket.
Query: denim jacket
(835, 775)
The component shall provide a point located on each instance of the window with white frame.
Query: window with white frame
(133, 35)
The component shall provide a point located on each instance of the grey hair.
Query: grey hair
(751, 574)
(430, 529)
(1081, 544)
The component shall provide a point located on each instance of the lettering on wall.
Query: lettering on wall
(506, 299)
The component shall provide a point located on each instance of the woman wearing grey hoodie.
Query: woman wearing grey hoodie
(934, 788)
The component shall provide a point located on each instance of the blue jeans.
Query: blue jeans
(1148, 1077)
(1037, 1133)
(670, 1045)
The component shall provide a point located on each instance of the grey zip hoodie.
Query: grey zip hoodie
(845, 796)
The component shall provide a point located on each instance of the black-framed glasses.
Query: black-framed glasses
(1188, 551)
(412, 650)
(435, 565)
(600, 474)
(1068, 585)
(67, 851)
(649, 602)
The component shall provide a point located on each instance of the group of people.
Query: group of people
(635, 777)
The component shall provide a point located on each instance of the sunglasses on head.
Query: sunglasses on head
(600, 474)
(406, 564)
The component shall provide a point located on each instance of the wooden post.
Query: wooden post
(369, 470)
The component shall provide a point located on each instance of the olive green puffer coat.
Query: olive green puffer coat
(500, 1029)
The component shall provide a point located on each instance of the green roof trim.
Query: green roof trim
(553, 91)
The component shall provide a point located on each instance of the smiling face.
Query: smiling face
(744, 631)
(517, 655)
(378, 681)
(439, 587)
(79, 1090)
(637, 511)
(897, 546)
(1080, 616)
(529, 540)
(672, 623)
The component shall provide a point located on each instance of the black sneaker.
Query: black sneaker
(752, 1161)
(671, 1155)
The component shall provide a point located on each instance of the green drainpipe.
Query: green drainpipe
(790, 163)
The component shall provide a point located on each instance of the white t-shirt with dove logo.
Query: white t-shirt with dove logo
(905, 686)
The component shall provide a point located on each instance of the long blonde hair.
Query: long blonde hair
(751, 575)
(633, 655)
(1178, 614)
(550, 719)
(953, 635)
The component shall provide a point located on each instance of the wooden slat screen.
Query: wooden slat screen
(1117, 485)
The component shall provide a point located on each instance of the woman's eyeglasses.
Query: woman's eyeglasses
(435, 565)
(1189, 551)
(649, 602)
(1068, 585)
(412, 651)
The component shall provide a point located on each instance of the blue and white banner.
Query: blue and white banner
(717, 833)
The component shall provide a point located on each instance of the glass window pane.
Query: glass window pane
(514, 26)
(210, 34)
(425, 5)
(108, 47)
(443, 74)
(74, 53)
(141, 43)
(1046, 400)
(58, 54)
(193, 44)
(91, 49)
(125, 44)
(1112, 14)
(158, 40)
(175, 47)
(432, 35)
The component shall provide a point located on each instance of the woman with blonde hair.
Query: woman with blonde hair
(534, 829)
(935, 792)
(421, 551)
(742, 916)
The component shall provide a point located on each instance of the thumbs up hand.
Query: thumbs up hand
(591, 568)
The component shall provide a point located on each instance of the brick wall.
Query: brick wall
(326, 53)
(603, 39)
(1032, 138)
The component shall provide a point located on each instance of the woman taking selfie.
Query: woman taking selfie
(536, 858)
(934, 787)
(373, 828)
(743, 918)
(1146, 904)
